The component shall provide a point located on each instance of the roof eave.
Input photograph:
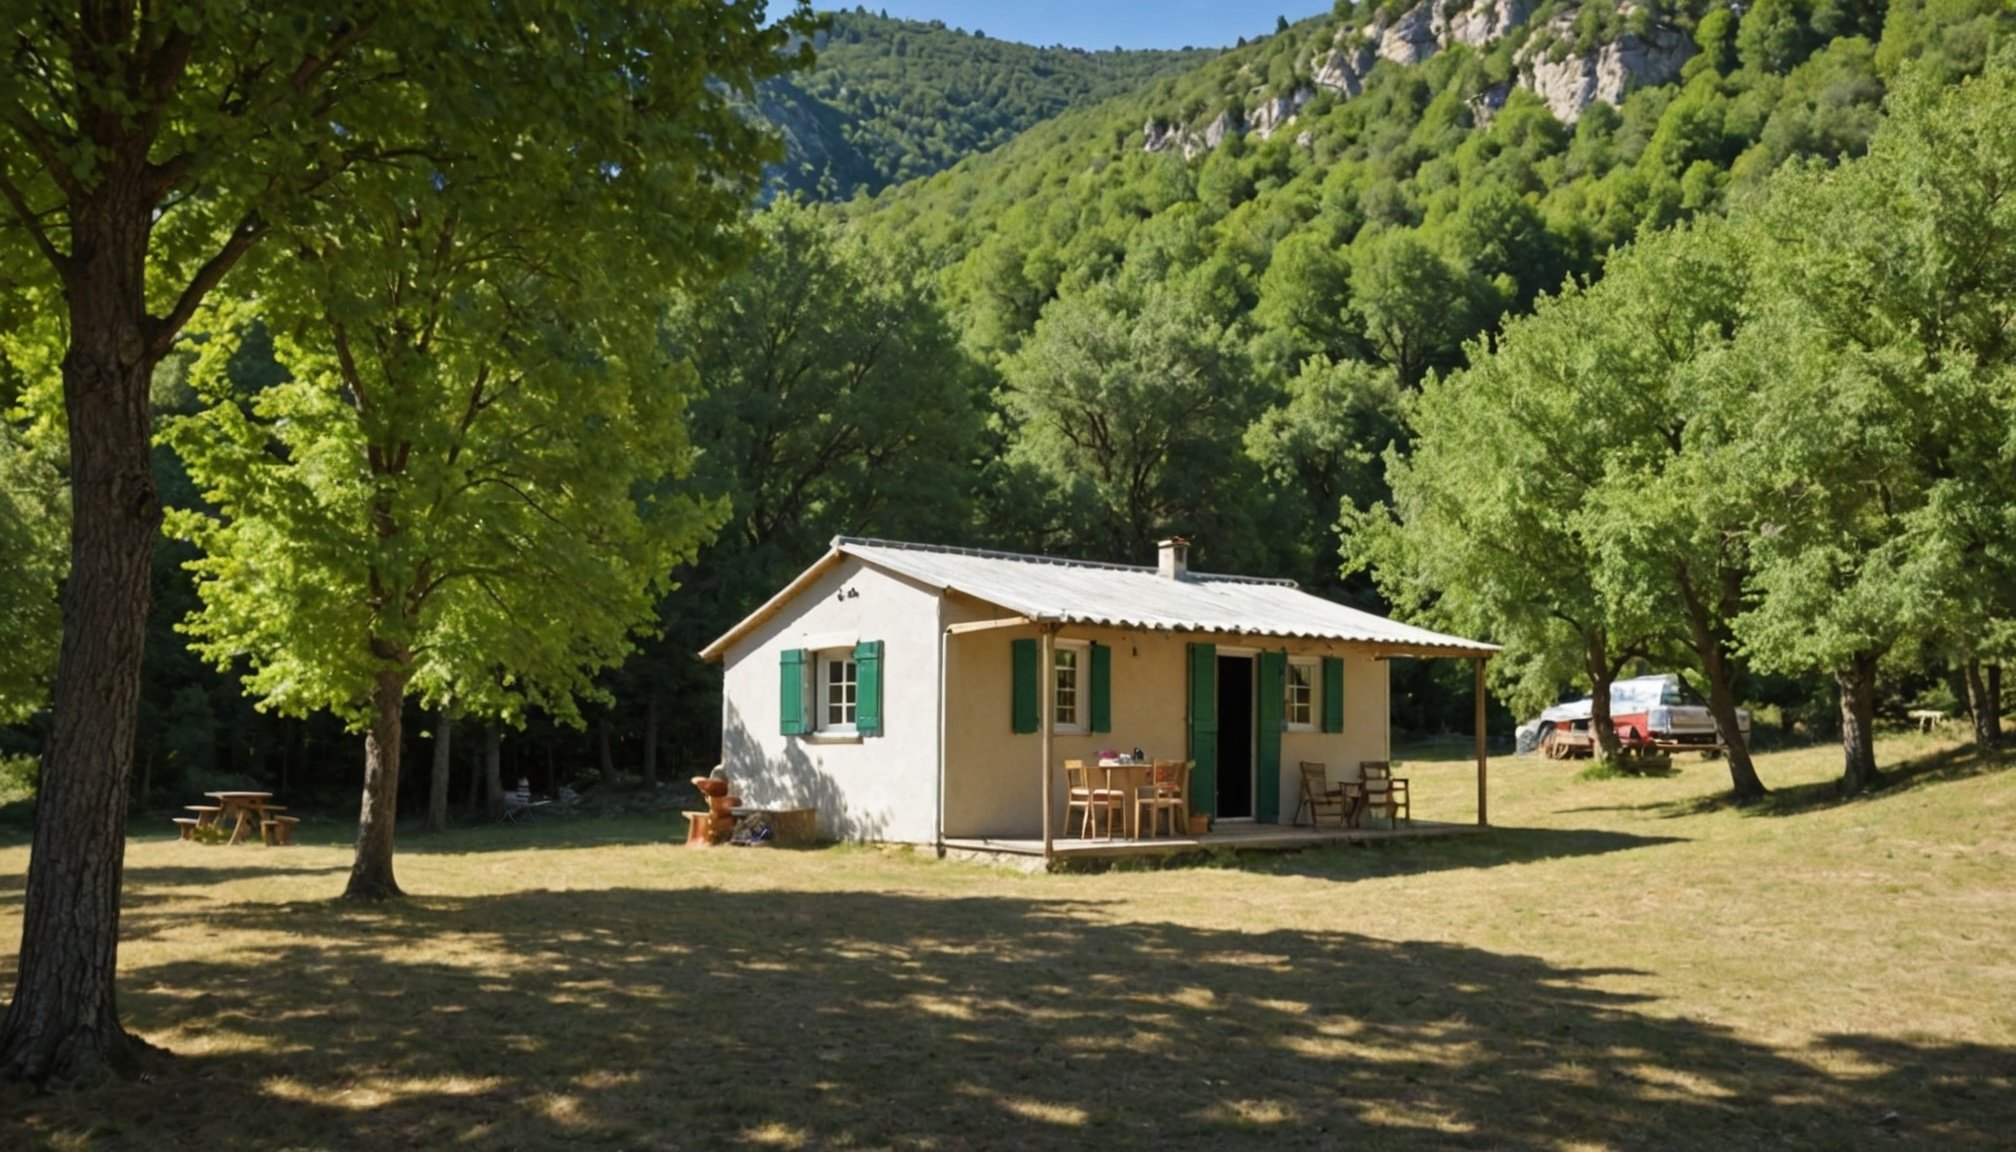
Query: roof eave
(770, 607)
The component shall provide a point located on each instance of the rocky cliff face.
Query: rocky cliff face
(1481, 23)
(1573, 82)
(1566, 79)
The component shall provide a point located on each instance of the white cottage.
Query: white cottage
(917, 694)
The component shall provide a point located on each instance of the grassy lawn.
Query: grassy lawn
(1623, 964)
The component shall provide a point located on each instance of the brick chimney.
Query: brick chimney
(1174, 561)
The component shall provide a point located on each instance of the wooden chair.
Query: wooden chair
(1080, 792)
(1385, 793)
(1317, 795)
(1165, 791)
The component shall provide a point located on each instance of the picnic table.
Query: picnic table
(244, 808)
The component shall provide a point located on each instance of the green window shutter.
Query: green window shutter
(1273, 692)
(1333, 694)
(868, 688)
(791, 693)
(1102, 688)
(1028, 716)
(1204, 728)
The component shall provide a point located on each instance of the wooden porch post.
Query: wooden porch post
(1046, 664)
(1483, 816)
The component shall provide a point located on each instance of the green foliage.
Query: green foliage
(32, 532)
(834, 397)
(1891, 294)
(474, 509)
(1487, 532)
(464, 477)
(1772, 432)
(1131, 405)
(19, 777)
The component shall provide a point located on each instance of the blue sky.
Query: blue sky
(1105, 23)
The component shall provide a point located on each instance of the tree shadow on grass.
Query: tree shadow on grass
(687, 1019)
(1489, 849)
(547, 830)
(1960, 762)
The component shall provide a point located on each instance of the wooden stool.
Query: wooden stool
(185, 827)
(698, 825)
(279, 831)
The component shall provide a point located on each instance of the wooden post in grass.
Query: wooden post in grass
(1483, 815)
(1046, 664)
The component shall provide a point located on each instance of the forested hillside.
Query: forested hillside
(891, 100)
(1264, 254)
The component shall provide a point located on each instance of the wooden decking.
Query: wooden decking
(1227, 837)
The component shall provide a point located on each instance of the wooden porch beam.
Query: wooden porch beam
(987, 625)
(1046, 667)
(1483, 813)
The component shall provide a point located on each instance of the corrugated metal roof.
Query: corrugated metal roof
(1080, 592)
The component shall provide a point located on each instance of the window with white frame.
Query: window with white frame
(1071, 686)
(1303, 677)
(835, 691)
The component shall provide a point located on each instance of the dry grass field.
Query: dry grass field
(1623, 964)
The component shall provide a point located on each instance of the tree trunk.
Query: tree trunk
(1995, 701)
(493, 768)
(651, 744)
(1712, 645)
(607, 762)
(475, 801)
(371, 874)
(63, 1020)
(1984, 704)
(1601, 676)
(1858, 724)
(437, 794)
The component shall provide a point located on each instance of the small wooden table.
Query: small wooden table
(1126, 778)
(1351, 794)
(243, 807)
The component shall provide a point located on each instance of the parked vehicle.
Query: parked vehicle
(1659, 712)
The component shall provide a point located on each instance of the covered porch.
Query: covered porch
(1210, 701)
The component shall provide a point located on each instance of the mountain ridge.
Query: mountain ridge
(889, 100)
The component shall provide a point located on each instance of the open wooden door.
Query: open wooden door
(1204, 727)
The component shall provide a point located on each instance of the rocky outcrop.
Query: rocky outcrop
(1158, 136)
(1220, 127)
(1343, 69)
(1484, 105)
(1570, 84)
(1412, 38)
(1567, 81)
(1481, 23)
(1161, 137)
(1273, 115)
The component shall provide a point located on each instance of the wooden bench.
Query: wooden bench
(278, 831)
(185, 827)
